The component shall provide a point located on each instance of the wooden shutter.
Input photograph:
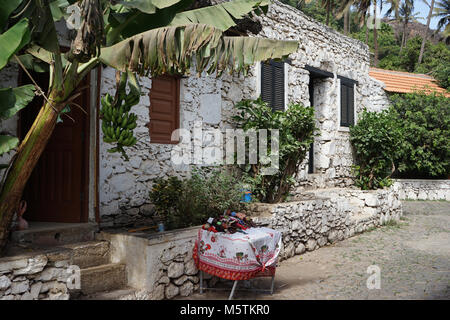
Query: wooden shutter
(351, 105)
(164, 109)
(272, 84)
(347, 105)
(344, 105)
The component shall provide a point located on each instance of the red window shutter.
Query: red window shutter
(164, 109)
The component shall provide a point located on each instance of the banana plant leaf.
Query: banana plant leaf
(171, 49)
(8, 6)
(148, 6)
(14, 39)
(221, 16)
(15, 99)
(7, 143)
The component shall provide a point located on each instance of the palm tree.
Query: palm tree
(327, 4)
(139, 36)
(405, 16)
(442, 10)
(425, 38)
(362, 8)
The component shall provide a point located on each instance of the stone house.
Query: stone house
(88, 184)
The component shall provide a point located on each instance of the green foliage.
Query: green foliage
(436, 60)
(296, 129)
(376, 141)
(425, 121)
(387, 42)
(442, 75)
(190, 202)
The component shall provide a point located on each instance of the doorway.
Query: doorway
(57, 190)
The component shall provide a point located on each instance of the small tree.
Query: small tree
(376, 141)
(296, 128)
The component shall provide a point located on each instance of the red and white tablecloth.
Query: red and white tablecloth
(238, 256)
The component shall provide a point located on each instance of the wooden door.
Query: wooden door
(57, 188)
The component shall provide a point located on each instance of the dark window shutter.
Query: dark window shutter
(351, 106)
(272, 84)
(347, 105)
(266, 83)
(278, 86)
(164, 109)
(344, 105)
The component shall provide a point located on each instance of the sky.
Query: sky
(422, 9)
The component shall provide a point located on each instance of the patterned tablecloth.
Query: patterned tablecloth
(238, 256)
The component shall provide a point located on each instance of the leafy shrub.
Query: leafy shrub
(425, 120)
(376, 140)
(296, 129)
(190, 202)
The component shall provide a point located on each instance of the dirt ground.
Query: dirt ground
(413, 257)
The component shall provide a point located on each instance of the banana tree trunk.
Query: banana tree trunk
(25, 160)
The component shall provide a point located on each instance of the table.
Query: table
(238, 256)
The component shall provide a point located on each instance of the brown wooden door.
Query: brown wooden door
(57, 188)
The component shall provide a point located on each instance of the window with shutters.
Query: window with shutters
(272, 84)
(347, 104)
(164, 109)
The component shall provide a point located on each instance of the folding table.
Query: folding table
(238, 256)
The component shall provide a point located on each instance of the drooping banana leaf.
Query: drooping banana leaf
(7, 143)
(15, 99)
(171, 49)
(14, 39)
(220, 16)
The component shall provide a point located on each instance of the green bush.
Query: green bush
(376, 140)
(296, 128)
(189, 202)
(425, 120)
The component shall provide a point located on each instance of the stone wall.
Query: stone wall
(124, 186)
(159, 265)
(34, 277)
(162, 267)
(421, 189)
(330, 215)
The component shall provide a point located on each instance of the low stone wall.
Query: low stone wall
(34, 277)
(330, 215)
(421, 189)
(162, 267)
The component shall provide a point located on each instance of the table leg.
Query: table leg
(272, 285)
(233, 289)
(201, 282)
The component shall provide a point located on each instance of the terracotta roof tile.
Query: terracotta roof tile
(405, 82)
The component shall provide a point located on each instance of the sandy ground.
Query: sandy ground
(413, 257)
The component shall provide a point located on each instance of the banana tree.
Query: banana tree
(145, 37)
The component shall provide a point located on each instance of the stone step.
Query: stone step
(88, 254)
(103, 278)
(53, 234)
(119, 294)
